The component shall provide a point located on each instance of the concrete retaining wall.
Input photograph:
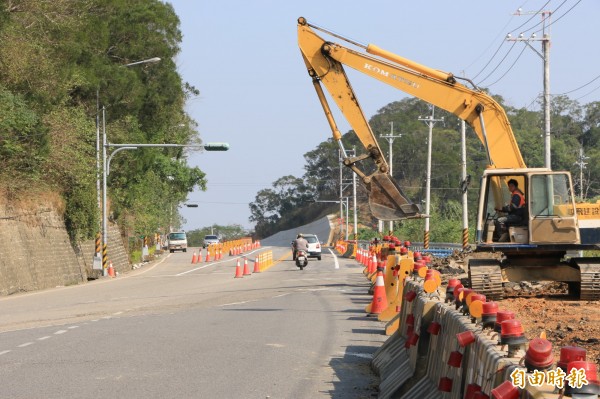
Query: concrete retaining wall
(36, 253)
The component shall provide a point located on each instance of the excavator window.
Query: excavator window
(551, 195)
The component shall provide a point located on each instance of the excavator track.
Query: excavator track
(485, 276)
(590, 278)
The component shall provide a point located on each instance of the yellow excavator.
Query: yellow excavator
(553, 227)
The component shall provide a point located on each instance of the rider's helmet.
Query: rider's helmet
(300, 235)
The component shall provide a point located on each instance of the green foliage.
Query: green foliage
(23, 141)
(63, 58)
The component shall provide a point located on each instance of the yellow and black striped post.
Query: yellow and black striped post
(465, 238)
(98, 244)
(426, 240)
(105, 258)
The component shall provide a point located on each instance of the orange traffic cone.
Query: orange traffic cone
(256, 266)
(207, 255)
(194, 258)
(199, 260)
(111, 270)
(238, 270)
(379, 297)
(246, 270)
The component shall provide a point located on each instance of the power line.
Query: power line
(579, 88)
(533, 16)
(558, 19)
(502, 42)
(509, 69)
(587, 94)
(497, 66)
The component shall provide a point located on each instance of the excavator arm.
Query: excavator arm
(325, 64)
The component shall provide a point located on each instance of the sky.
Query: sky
(255, 93)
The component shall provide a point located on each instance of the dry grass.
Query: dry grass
(30, 200)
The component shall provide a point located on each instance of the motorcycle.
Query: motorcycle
(301, 259)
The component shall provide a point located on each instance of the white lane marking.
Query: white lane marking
(25, 344)
(118, 313)
(357, 354)
(335, 259)
(4, 352)
(60, 332)
(44, 338)
(222, 261)
(72, 327)
(235, 303)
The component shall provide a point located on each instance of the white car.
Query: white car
(314, 246)
(210, 239)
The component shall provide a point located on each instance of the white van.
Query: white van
(177, 241)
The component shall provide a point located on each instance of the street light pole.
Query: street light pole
(106, 169)
(102, 204)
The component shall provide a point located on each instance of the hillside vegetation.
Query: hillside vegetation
(63, 64)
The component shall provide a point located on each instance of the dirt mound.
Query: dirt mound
(541, 306)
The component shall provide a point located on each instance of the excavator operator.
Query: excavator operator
(515, 211)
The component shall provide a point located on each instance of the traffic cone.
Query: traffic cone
(111, 270)
(256, 266)
(194, 258)
(246, 270)
(379, 303)
(207, 255)
(238, 270)
(199, 260)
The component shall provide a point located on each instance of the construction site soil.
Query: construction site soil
(543, 307)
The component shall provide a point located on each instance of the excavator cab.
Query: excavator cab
(548, 215)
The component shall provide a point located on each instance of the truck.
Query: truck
(554, 226)
(177, 241)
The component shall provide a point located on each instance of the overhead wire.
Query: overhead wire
(509, 69)
(497, 66)
(587, 94)
(579, 88)
(532, 16)
(554, 21)
(502, 42)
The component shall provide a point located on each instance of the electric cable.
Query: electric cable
(497, 66)
(509, 69)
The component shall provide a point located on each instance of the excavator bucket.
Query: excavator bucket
(387, 201)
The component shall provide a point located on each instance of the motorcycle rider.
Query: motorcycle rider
(299, 243)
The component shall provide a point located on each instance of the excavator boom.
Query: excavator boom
(325, 64)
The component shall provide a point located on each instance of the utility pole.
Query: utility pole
(343, 154)
(354, 198)
(464, 184)
(430, 121)
(581, 163)
(545, 56)
(390, 137)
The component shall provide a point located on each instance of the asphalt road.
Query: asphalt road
(176, 330)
